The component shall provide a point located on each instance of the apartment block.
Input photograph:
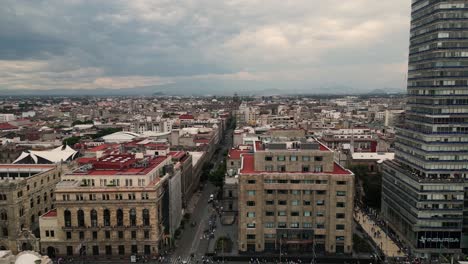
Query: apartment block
(293, 197)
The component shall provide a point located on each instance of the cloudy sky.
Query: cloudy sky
(229, 45)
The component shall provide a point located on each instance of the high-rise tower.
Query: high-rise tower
(423, 189)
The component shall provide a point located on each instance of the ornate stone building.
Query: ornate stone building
(111, 207)
(26, 192)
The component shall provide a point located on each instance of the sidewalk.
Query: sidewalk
(385, 243)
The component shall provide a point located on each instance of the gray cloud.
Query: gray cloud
(300, 44)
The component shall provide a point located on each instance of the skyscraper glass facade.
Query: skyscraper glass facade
(423, 189)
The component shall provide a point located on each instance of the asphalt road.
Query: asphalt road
(192, 240)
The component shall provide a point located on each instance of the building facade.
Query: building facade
(26, 192)
(111, 207)
(423, 188)
(294, 198)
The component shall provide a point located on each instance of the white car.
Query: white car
(211, 197)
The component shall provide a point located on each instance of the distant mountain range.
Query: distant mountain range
(190, 89)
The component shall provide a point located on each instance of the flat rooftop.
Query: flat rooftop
(26, 167)
(248, 167)
(122, 164)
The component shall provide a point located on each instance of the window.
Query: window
(320, 226)
(295, 202)
(47, 233)
(80, 218)
(3, 216)
(340, 204)
(281, 158)
(282, 202)
(94, 218)
(108, 250)
(283, 181)
(121, 250)
(120, 234)
(67, 218)
(282, 191)
(270, 225)
(147, 249)
(294, 213)
(251, 214)
(250, 225)
(320, 214)
(318, 158)
(295, 182)
(294, 225)
(106, 217)
(133, 233)
(321, 192)
(133, 217)
(107, 233)
(251, 193)
(94, 235)
(282, 168)
(281, 213)
(340, 215)
(281, 225)
(307, 225)
(295, 192)
(146, 234)
(146, 217)
(306, 192)
(250, 181)
(318, 168)
(69, 251)
(269, 202)
(81, 235)
(305, 168)
(307, 213)
(340, 238)
(250, 236)
(340, 227)
(293, 158)
(269, 213)
(69, 235)
(250, 203)
(305, 158)
(306, 202)
(268, 158)
(320, 202)
(340, 193)
(119, 217)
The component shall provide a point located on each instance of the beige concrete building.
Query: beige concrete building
(293, 196)
(111, 207)
(26, 192)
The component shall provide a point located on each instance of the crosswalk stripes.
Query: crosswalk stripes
(185, 260)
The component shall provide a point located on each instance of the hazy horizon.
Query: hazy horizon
(204, 47)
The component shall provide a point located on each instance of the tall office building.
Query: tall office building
(423, 188)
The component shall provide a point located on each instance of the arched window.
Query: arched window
(67, 218)
(3, 216)
(133, 217)
(106, 217)
(94, 218)
(80, 217)
(119, 217)
(146, 217)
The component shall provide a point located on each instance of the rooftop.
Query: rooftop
(236, 153)
(122, 164)
(248, 166)
(51, 213)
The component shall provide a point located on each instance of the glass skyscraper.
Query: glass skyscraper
(423, 189)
